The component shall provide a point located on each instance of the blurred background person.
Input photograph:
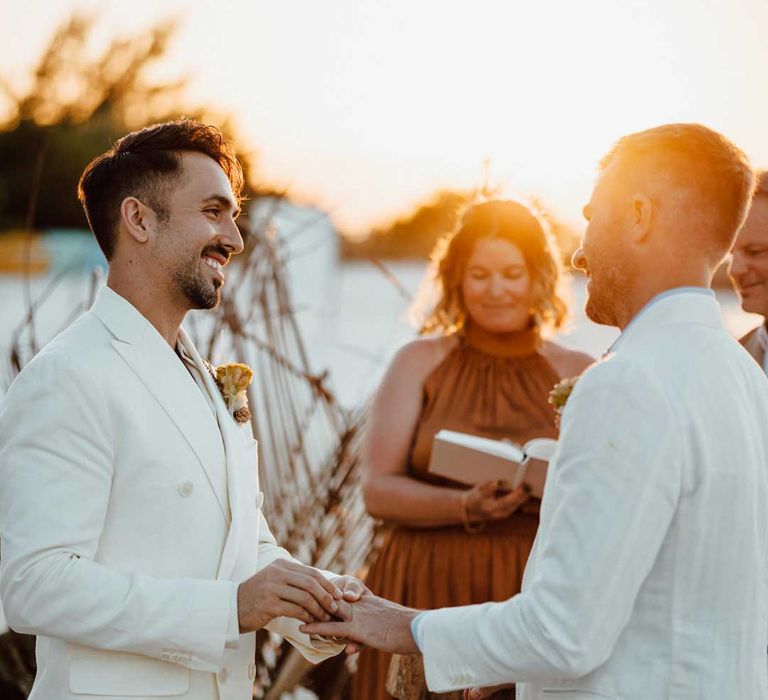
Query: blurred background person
(486, 369)
(749, 270)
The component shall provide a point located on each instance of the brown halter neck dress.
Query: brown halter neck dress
(491, 385)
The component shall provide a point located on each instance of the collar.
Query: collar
(121, 317)
(696, 305)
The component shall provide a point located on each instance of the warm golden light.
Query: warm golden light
(368, 106)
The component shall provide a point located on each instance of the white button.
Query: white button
(259, 499)
(223, 675)
(186, 488)
(165, 656)
(251, 671)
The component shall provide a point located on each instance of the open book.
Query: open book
(470, 459)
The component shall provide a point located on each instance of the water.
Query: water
(353, 318)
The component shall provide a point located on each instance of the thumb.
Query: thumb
(353, 590)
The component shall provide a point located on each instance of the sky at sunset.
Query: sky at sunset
(367, 106)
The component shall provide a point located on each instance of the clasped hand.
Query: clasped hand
(287, 588)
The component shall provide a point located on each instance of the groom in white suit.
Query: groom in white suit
(648, 577)
(133, 543)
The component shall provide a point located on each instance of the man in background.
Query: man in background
(749, 270)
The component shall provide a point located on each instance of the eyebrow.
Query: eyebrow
(225, 202)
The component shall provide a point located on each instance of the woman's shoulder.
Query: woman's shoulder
(422, 355)
(565, 361)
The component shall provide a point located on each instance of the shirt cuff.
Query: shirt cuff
(416, 629)
(233, 627)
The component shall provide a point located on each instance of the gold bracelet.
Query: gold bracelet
(468, 526)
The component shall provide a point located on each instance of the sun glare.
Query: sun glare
(369, 107)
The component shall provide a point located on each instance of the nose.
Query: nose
(495, 286)
(232, 238)
(579, 260)
(736, 265)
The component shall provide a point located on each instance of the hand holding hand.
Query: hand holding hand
(286, 588)
(372, 621)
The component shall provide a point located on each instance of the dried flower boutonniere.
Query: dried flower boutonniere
(233, 380)
(558, 397)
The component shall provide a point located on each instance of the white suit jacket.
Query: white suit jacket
(647, 580)
(129, 512)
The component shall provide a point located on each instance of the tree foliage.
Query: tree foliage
(415, 235)
(78, 101)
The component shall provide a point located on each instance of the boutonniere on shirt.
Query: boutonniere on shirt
(233, 380)
(559, 395)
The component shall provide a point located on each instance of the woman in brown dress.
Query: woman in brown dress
(487, 370)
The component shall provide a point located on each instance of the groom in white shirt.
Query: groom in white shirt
(648, 579)
(133, 542)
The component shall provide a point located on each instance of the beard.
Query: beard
(608, 292)
(199, 291)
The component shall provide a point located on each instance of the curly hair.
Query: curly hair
(145, 164)
(506, 220)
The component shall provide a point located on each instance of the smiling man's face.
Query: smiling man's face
(196, 242)
(749, 259)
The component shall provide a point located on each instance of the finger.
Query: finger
(353, 648)
(331, 588)
(299, 568)
(311, 585)
(299, 595)
(514, 499)
(344, 612)
(296, 612)
(354, 590)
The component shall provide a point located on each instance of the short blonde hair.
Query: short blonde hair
(714, 171)
(506, 220)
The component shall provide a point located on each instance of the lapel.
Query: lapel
(163, 374)
(237, 439)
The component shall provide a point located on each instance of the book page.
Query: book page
(497, 448)
(540, 448)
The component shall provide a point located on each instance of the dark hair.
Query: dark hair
(715, 173)
(144, 164)
(509, 221)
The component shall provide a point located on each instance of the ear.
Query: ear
(137, 218)
(642, 217)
